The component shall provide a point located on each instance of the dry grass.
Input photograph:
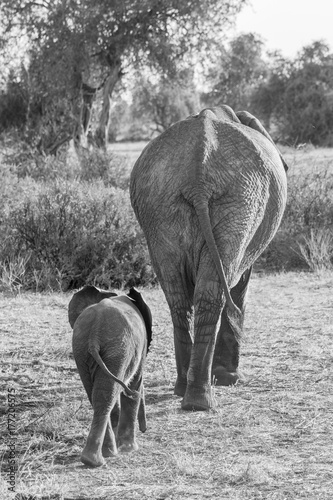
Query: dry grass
(308, 159)
(270, 438)
(301, 160)
(131, 150)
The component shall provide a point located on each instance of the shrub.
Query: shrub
(303, 240)
(78, 233)
(72, 224)
(317, 249)
(13, 260)
(43, 168)
(90, 166)
(112, 169)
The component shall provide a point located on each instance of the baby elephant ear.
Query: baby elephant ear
(141, 304)
(88, 296)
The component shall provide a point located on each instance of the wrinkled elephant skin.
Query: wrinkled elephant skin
(209, 194)
(111, 337)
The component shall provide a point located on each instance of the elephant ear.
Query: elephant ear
(88, 296)
(251, 121)
(141, 304)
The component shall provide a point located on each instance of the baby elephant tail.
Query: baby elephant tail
(94, 351)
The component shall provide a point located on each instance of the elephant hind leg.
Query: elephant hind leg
(109, 447)
(130, 407)
(181, 313)
(92, 453)
(226, 355)
(109, 443)
(208, 304)
(101, 439)
(178, 288)
(182, 318)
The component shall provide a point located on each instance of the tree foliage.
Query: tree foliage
(293, 98)
(165, 102)
(79, 52)
(13, 105)
(240, 68)
(308, 113)
(297, 96)
(79, 46)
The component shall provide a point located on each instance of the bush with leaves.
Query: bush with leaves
(85, 165)
(102, 165)
(78, 233)
(304, 240)
(64, 232)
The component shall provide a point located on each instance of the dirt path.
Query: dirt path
(270, 437)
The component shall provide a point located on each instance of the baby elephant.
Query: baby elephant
(111, 337)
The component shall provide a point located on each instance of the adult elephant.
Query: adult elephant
(209, 194)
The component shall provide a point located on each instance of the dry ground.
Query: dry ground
(270, 437)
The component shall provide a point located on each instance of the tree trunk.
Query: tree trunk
(101, 134)
(80, 134)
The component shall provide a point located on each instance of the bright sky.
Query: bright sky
(288, 25)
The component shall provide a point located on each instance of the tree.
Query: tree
(13, 105)
(295, 99)
(165, 102)
(80, 47)
(267, 98)
(307, 111)
(239, 70)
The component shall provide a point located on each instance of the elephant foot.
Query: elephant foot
(180, 388)
(221, 376)
(128, 447)
(197, 399)
(92, 459)
(109, 452)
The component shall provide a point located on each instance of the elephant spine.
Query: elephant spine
(94, 351)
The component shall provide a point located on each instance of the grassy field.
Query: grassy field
(300, 160)
(269, 438)
(130, 149)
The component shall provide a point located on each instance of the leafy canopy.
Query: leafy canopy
(75, 44)
(151, 32)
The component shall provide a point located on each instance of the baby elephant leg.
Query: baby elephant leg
(109, 445)
(126, 430)
(92, 453)
(126, 439)
(101, 439)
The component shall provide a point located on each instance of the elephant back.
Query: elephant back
(86, 297)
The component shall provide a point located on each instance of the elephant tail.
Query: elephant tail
(202, 211)
(94, 351)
